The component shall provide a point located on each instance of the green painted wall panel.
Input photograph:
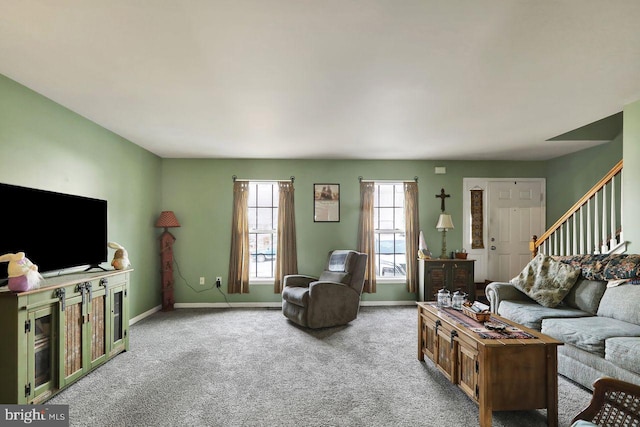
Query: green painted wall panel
(200, 192)
(44, 145)
(570, 177)
(631, 202)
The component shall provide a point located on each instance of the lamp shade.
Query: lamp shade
(167, 219)
(444, 222)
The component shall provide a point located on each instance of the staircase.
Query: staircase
(591, 226)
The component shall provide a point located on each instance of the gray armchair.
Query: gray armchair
(329, 300)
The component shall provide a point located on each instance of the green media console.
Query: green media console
(58, 333)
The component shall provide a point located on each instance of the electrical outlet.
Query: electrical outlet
(202, 280)
(218, 281)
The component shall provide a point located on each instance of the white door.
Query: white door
(515, 214)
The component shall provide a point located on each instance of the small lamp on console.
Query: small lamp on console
(167, 220)
(444, 224)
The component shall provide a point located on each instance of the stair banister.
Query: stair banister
(536, 241)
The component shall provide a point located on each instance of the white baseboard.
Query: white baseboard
(144, 315)
(385, 303)
(228, 305)
(275, 304)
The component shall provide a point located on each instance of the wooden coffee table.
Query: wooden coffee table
(512, 370)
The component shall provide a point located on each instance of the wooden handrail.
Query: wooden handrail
(537, 241)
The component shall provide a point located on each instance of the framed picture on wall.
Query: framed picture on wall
(326, 202)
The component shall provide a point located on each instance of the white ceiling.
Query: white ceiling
(373, 79)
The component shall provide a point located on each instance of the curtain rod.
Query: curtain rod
(235, 178)
(415, 178)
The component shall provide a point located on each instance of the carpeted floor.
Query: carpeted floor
(252, 367)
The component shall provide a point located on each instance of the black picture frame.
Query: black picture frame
(326, 202)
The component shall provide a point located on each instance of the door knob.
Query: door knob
(493, 248)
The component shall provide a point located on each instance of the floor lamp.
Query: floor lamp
(444, 224)
(167, 220)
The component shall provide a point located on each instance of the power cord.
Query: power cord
(187, 283)
(199, 290)
(225, 297)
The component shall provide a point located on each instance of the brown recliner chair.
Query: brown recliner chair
(329, 300)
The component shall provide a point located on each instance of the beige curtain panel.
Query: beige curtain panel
(286, 254)
(412, 233)
(366, 234)
(239, 256)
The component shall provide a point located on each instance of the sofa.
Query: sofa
(589, 302)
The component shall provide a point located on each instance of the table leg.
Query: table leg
(485, 395)
(420, 343)
(552, 386)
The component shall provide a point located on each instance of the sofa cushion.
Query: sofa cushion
(585, 295)
(546, 280)
(622, 303)
(530, 313)
(588, 333)
(624, 352)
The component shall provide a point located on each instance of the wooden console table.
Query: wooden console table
(58, 333)
(499, 374)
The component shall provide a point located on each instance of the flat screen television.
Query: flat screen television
(56, 231)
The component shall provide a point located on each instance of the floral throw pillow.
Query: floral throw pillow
(546, 280)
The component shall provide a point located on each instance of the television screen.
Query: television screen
(55, 231)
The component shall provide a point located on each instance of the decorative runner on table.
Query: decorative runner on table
(510, 332)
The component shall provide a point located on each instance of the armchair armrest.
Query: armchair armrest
(613, 400)
(298, 280)
(321, 288)
(500, 291)
(334, 297)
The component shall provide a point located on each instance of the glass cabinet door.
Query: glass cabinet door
(117, 316)
(119, 325)
(41, 344)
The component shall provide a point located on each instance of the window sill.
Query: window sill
(380, 280)
(266, 281)
(391, 280)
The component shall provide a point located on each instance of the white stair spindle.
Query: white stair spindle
(574, 234)
(612, 239)
(596, 225)
(589, 224)
(621, 237)
(581, 230)
(603, 238)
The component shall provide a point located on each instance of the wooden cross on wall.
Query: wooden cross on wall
(442, 196)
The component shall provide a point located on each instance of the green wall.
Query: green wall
(631, 202)
(570, 177)
(200, 193)
(44, 145)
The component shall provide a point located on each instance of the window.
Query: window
(263, 228)
(388, 216)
